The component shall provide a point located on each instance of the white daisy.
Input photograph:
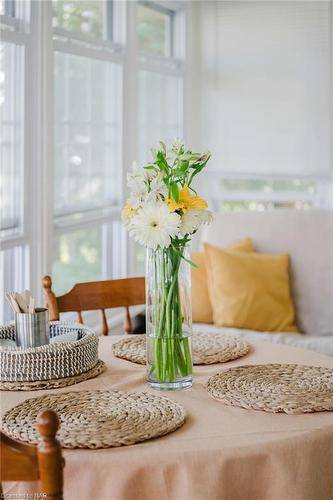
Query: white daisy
(193, 218)
(154, 226)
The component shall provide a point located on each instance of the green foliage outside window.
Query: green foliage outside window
(153, 28)
(238, 206)
(298, 185)
(79, 259)
(81, 16)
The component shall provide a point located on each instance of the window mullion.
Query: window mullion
(14, 36)
(109, 13)
(39, 126)
(130, 114)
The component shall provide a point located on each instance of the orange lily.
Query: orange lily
(186, 201)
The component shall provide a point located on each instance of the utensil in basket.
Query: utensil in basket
(24, 302)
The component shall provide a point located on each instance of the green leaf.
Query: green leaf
(196, 170)
(161, 166)
(174, 191)
(161, 157)
(178, 171)
(162, 163)
(193, 264)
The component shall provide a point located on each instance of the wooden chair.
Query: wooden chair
(96, 295)
(43, 463)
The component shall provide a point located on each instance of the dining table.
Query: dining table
(220, 453)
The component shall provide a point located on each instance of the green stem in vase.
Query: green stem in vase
(172, 354)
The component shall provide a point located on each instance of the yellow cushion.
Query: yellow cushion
(201, 307)
(250, 290)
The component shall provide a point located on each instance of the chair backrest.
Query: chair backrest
(97, 295)
(43, 463)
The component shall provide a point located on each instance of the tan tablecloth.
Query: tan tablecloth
(221, 452)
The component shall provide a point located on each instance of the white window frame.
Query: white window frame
(216, 194)
(40, 227)
(20, 242)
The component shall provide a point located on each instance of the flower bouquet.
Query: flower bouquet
(162, 213)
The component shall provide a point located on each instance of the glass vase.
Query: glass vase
(168, 318)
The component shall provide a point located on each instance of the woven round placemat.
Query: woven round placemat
(97, 419)
(57, 383)
(208, 348)
(275, 388)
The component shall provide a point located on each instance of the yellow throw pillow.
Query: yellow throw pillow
(250, 290)
(201, 307)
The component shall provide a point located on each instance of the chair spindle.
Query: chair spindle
(105, 326)
(128, 321)
(50, 460)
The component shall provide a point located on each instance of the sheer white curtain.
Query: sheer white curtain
(266, 87)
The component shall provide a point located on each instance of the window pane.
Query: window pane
(13, 277)
(17, 14)
(239, 206)
(139, 260)
(7, 8)
(160, 110)
(87, 133)
(269, 186)
(80, 16)
(154, 30)
(79, 258)
(11, 112)
(89, 254)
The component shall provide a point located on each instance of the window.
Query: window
(87, 143)
(160, 90)
(155, 28)
(160, 110)
(87, 137)
(12, 149)
(7, 8)
(15, 241)
(89, 17)
(79, 258)
(14, 275)
(239, 206)
(269, 186)
(266, 95)
(65, 81)
(237, 194)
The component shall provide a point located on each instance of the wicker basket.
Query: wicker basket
(52, 361)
